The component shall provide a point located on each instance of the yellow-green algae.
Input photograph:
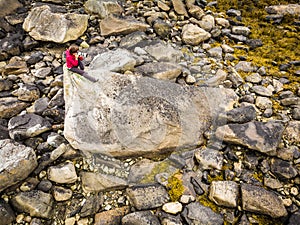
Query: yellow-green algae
(160, 167)
(281, 42)
(175, 186)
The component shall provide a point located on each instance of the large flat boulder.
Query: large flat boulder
(16, 162)
(124, 115)
(44, 25)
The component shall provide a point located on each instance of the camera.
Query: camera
(83, 54)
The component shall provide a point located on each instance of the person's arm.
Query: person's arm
(72, 61)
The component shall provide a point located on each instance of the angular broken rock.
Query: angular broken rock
(199, 214)
(103, 8)
(160, 70)
(112, 25)
(96, 182)
(16, 162)
(149, 196)
(36, 203)
(263, 137)
(224, 193)
(44, 25)
(11, 106)
(63, 173)
(27, 125)
(259, 200)
(134, 115)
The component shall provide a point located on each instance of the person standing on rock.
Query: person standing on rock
(74, 60)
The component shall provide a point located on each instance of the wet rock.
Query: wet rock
(61, 193)
(7, 9)
(294, 218)
(199, 214)
(26, 126)
(36, 203)
(16, 66)
(3, 130)
(283, 169)
(16, 162)
(63, 173)
(239, 115)
(140, 218)
(103, 8)
(93, 204)
(95, 182)
(272, 183)
(113, 216)
(28, 93)
(44, 25)
(155, 194)
(263, 137)
(257, 199)
(162, 28)
(6, 213)
(114, 26)
(5, 85)
(224, 193)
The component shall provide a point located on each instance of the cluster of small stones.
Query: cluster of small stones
(45, 181)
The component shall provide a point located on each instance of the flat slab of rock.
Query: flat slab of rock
(11, 106)
(36, 203)
(44, 25)
(292, 9)
(263, 137)
(95, 182)
(103, 8)
(224, 193)
(259, 200)
(141, 218)
(199, 214)
(135, 115)
(16, 162)
(147, 196)
(113, 216)
(160, 70)
(114, 26)
(27, 125)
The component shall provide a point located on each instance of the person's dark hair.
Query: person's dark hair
(73, 49)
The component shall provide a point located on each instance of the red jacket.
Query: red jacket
(71, 61)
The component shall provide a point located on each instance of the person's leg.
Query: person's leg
(87, 76)
(80, 64)
(83, 73)
(77, 70)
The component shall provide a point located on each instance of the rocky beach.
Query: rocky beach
(194, 118)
